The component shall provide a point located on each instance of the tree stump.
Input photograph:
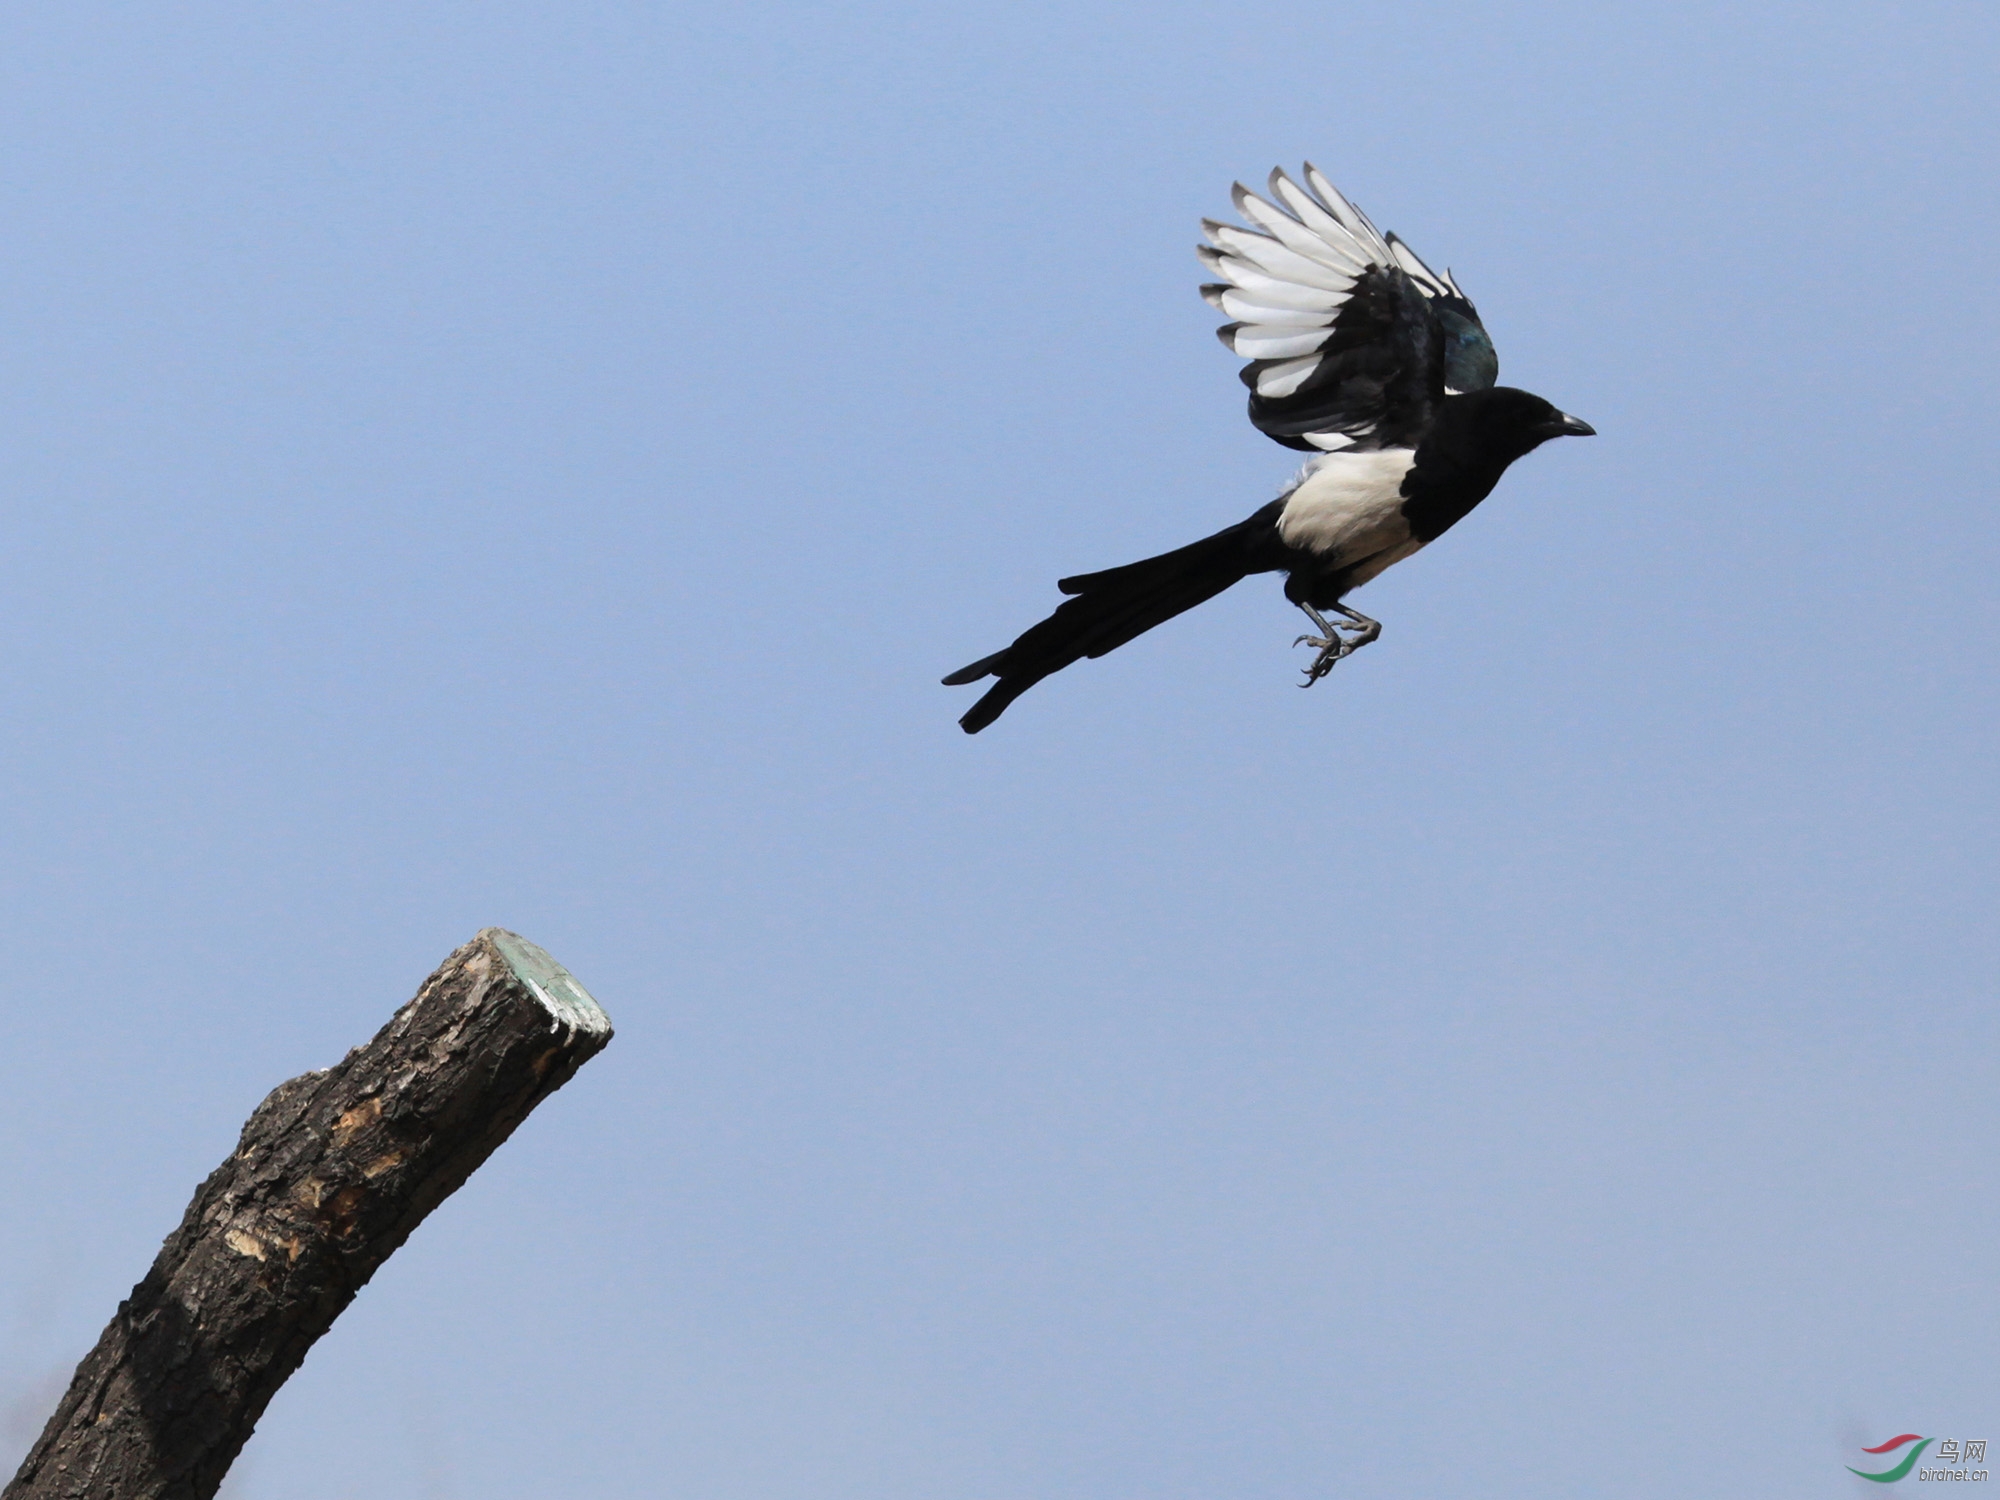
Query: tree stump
(332, 1173)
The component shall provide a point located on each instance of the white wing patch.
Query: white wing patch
(1350, 505)
(1285, 281)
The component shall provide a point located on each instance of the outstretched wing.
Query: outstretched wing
(1353, 341)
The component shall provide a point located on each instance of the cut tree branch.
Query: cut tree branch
(333, 1171)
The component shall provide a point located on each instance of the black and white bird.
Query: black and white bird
(1359, 354)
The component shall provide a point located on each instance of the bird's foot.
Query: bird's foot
(1330, 651)
(1335, 644)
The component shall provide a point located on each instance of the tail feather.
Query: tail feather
(981, 668)
(1109, 608)
(1151, 569)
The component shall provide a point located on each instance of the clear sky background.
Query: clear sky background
(530, 465)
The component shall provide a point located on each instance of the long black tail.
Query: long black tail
(1115, 606)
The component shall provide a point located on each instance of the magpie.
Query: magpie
(1360, 355)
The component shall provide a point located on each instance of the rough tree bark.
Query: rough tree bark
(332, 1173)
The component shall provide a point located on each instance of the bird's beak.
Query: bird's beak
(1575, 427)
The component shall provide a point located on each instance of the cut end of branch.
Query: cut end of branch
(549, 982)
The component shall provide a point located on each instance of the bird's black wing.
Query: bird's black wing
(1353, 340)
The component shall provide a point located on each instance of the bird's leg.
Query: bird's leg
(1327, 639)
(1331, 643)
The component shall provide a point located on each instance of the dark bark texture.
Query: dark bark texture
(332, 1173)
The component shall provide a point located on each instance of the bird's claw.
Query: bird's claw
(1333, 646)
(1330, 651)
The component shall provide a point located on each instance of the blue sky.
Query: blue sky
(529, 465)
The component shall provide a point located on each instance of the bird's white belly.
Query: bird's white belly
(1349, 507)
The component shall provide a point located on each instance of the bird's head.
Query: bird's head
(1505, 423)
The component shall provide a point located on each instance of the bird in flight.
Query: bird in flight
(1361, 355)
